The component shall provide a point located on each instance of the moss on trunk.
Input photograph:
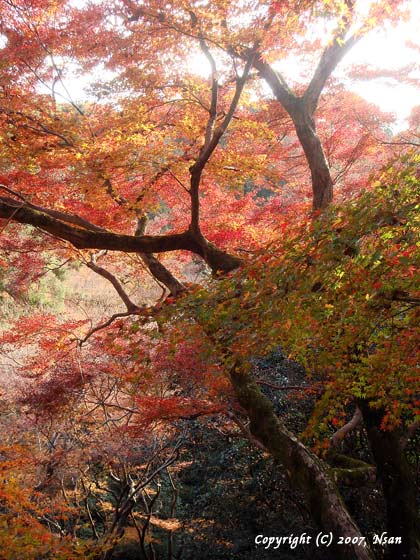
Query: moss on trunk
(305, 471)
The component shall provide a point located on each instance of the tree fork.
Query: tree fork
(218, 260)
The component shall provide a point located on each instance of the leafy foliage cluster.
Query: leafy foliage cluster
(340, 295)
(246, 317)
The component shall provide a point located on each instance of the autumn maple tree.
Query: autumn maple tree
(219, 191)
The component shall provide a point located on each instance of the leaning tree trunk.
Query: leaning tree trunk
(400, 492)
(306, 472)
(302, 108)
(322, 184)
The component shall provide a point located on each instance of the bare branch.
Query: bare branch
(208, 148)
(104, 325)
(162, 274)
(155, 267)
(40, 128)
(340, 434)
(246, 432)
(280, 387)
(329, 61)
(178, 181)
(214, 93)
(93, 237)
(131, 307)
(401, 142)
(277, 83)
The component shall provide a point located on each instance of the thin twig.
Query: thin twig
(280, 387)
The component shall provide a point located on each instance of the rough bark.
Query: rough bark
(217, 259)
(301, 110)
(398, 486)
(306, 472)
(348, 471)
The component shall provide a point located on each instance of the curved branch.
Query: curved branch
(278, 85)
(214, 93)
(246, 432)
(340, 434)
(162, 274)
(131, 307)
(156, 268)
(329, 60)
(210, 144)
(114, 318)
(88, 237)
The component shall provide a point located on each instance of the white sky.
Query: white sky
(383, 49)
(387, 49)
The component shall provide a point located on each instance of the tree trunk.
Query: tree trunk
(399, 489)
(302, 110)
(117, 529)
(322, 185)
(306, 472)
